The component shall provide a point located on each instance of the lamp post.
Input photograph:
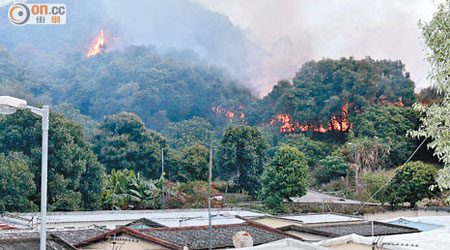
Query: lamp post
(219, 198)
(9, 105)
(356, 167)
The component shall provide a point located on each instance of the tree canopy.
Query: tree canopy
(390, 125)
(411, 183)
(75, 175)
(242, 153)
(286, 175)
(189, 132)
(123, 142)
(194, 163)
(435, 116)
(330, 168)
(16, 183)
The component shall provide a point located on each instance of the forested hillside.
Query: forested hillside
(133, 103)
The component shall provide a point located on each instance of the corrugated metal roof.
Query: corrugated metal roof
(320, 218)
(418, 225)
(169, 217)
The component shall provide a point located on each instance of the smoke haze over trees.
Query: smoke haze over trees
(258, 42)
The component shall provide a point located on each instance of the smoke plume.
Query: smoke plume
(258, 41)
(292, 32)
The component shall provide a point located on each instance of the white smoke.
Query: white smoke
(295, 31)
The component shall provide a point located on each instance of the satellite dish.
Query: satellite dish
(242, 239)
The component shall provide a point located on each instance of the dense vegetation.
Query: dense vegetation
(75, 176)
(285, 176)
(116, 112)
(320, 89)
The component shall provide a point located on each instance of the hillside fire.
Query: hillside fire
(98, 46)
(230, 113)
(336, 124)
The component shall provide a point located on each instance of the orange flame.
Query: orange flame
(229, 112)
(383, 100)
(336, 124)
(98, 46)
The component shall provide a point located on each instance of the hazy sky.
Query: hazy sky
(294, 31)
(291, 32)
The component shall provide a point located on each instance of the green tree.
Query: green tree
(411, 183)
(186, 133)
(123, 142)
(16, 183)
(172, 164)
(434, 118)
(285, 176)
(390, 124)
(75, 175)
(314, 150)
(330, 168)
(242, 153)
(194, 163)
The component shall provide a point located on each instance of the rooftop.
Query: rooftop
(363, 229)
(167, 217)
(418, 225)
(222, 235)
(143, 223)
(320, 218)
(287, 244)
(9, 221)
(430, 240)
(71, 236)
(441, 220)
(53, 243)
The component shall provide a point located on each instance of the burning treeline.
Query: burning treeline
(336, 123)
(288, 125)
(230, 113)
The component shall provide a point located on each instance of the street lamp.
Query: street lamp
(9, 105)
(356, 167)
(219, 198)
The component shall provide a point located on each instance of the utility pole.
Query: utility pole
(356, 167)
(45, 120)
(210, 168)
(162, 177)
(209, 195)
